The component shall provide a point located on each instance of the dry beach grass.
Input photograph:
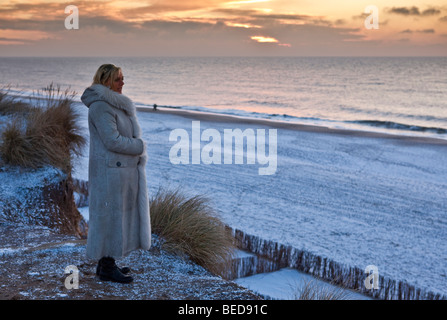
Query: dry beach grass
(44, 134)
(191, 227)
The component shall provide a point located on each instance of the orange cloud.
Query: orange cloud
(242, 25)
(263, 39)
(10, 36)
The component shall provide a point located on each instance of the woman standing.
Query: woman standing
(119, 220)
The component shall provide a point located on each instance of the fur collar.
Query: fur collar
(115, 99)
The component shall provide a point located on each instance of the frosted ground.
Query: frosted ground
(359, 201)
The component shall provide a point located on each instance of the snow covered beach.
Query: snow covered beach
(356, 198)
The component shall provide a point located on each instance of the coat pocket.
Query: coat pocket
(123, 162)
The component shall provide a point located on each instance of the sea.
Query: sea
(403, 95)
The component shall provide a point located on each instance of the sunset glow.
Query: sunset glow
(177, 27)
(246, 2)
(264, 39)
(242, 25)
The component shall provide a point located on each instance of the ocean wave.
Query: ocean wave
(266, 103)
(384, 125)
(391, 114)
(399, 126)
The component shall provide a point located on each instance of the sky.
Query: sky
(224, 28)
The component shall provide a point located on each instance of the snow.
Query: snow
(16, 197)
(288, 284)
(357, 200)
(84, 212)
(16, 180)
(9, 251)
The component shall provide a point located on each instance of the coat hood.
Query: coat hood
(98, 92)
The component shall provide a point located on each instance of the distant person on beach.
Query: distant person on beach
(119, 220)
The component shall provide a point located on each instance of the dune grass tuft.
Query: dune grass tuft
(190, 226)
(46, 134)
(10, 105)
(312, 290)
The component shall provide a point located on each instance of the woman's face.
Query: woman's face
(117, 83)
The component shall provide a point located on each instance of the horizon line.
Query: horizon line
(233, 56)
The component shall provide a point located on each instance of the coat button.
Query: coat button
(118, 164)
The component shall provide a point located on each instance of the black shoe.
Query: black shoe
(124, 270)
(110, 272)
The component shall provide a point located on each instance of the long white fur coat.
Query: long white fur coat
(119, 218)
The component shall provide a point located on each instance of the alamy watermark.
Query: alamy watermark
(72, 20)
(372, 21)
(72, 280)
(189, 150)
(372, 277)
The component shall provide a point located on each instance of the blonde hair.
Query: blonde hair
(104, 73)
